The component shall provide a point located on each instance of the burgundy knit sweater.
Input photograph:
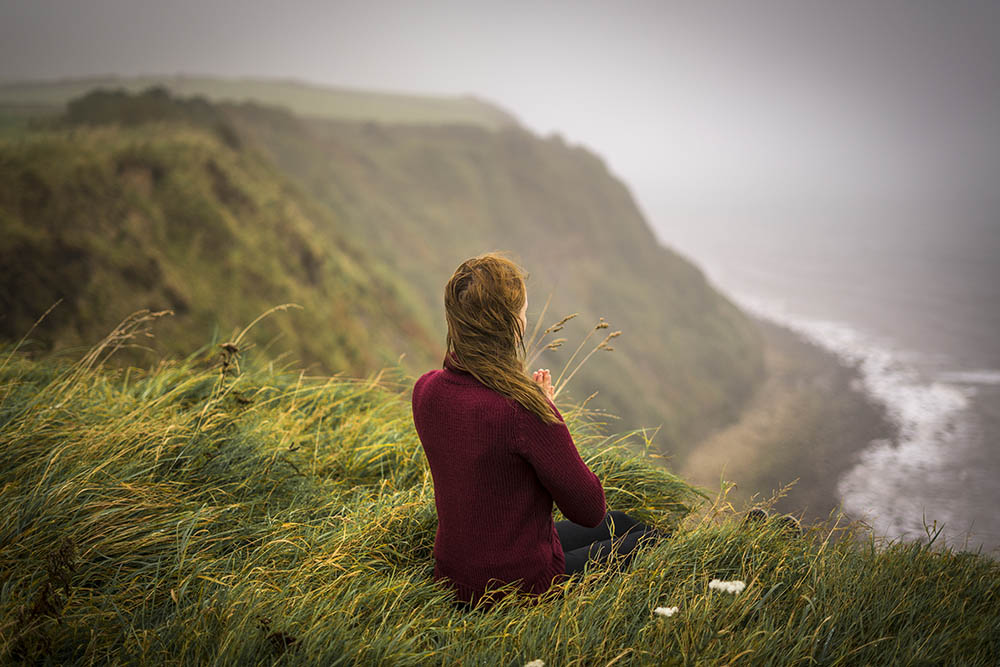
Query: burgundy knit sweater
(497, 468)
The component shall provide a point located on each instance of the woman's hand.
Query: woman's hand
(544, 380)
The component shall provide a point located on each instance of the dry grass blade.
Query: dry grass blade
(136, 324)
(538, 345)
(603, 345)
(538, 323)
(283, 307)
(34, 326)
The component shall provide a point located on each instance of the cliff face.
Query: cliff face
(423, 198)
(221, 211)
(107, 220)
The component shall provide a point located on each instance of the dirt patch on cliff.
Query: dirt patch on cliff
(807, 421)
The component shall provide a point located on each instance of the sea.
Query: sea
(912, 301)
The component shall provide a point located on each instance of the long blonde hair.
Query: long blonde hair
(482, 304)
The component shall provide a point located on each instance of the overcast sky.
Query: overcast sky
(692, 103)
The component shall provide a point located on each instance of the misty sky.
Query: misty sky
(694, 104)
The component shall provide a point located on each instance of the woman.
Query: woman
(500, 453)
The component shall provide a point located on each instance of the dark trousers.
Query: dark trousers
(619, 535)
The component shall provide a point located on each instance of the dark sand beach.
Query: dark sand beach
(807, 423)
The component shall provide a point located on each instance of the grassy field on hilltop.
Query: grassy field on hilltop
(105, 220)
(300, 97)
(193, 514)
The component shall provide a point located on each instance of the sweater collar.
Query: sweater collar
(451, 363)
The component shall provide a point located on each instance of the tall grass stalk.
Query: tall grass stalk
(536, 347)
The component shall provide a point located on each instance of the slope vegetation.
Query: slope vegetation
(425, 198)
(221, 211)
(107, 220)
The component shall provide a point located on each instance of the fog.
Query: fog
(697, 106)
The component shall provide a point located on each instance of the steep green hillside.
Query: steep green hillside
(302, 98)
(226, 236)
(177, 517)
(425, 198)
(109, 220)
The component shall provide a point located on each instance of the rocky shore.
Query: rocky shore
(806, 425)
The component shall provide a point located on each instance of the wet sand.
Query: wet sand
(806, 422)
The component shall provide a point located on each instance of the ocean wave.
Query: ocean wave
(982, 376)
(900, 486)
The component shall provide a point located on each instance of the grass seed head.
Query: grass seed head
(559, 325)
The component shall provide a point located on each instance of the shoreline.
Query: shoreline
(808, 420)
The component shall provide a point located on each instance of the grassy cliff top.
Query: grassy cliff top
(220, 211)
(194, 514)
(300, 97)
(106, 220)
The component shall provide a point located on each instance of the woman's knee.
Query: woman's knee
(620, 522)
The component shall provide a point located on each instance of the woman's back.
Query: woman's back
(497, 469)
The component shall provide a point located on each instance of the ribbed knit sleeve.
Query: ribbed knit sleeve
(550, 450)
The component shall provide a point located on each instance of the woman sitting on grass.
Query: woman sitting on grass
(500, 453)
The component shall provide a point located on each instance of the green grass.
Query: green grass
(108, 220)
(186, 515)
(302, 98)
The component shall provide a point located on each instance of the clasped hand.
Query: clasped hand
(544, 380)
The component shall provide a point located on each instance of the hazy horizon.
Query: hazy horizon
(699, 108)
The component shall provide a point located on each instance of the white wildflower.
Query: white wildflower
(727, 586)
(535, 663)
(665, 611)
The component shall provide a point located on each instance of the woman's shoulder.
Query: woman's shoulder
(427, 377)
(443, 380)
(427, 381)
(445, 384)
